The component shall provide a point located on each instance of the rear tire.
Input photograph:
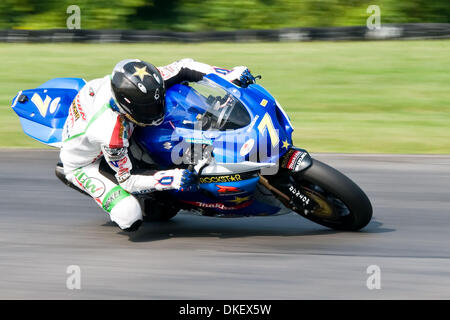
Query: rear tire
(158, 211)
(160, 216)
(335, 185)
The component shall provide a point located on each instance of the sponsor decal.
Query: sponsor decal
(227, 189)
(218, 205)
(247, 147)
(122, 168)
(45, 105)
(123, 175)
(167, 72)
(285, 144)
(123, 172)
(286, 158)
(239, 200)
(42, 105)
(264, 102)
(166, 181)
(215, 179)
(120, 163)
(107, 203)
(298, 162)
(167, 145)
(293, 159)
(74, 111)
(113, 197)
(80, 109)
(267, 123)
(91, 185)
(114, 163)
(221, 70)
(199, 141)
(141, 72)
(54, 104)
(299, 195)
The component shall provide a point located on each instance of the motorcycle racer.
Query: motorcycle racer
(101, 120)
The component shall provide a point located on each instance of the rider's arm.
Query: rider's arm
(133, 182)
(113, 140)
(191, 70)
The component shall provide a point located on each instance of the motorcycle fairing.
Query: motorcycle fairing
(228, 199)
(181, 102)
(261, 106)
(43, 111)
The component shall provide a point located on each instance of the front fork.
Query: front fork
(284, 187)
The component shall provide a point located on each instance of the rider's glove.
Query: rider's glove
(246, 79)
(188, 181)
(241, 76)
(175, 179)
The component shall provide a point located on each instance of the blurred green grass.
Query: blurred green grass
(355, 97)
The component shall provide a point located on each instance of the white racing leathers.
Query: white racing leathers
(94, 130)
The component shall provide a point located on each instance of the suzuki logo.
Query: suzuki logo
(43, 106)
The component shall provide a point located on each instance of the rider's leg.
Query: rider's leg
(123, 208)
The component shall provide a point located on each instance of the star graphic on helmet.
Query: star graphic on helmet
(141, 72)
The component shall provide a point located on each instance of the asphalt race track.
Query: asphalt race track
(46, 227)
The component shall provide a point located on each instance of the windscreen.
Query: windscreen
(212, 108)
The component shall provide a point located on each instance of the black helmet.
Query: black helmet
(139, 92)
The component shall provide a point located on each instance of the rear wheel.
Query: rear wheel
(159, 211)
(339, 202)
(160, 216)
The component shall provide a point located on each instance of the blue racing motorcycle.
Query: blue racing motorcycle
(239, 141)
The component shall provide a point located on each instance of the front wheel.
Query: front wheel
(339, 202)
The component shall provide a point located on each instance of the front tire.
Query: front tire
(342, 204)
